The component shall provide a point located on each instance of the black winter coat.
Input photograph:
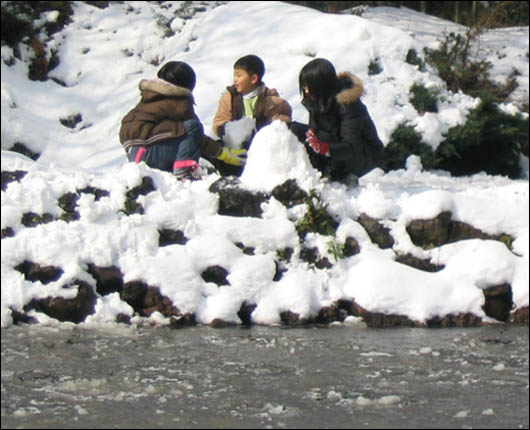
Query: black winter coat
(345, 124)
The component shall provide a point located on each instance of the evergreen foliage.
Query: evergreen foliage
(489, 141)
(406, 141)
(455, 66)
(374, 68)
(415, 60)
(316, 219)
(18, 19)
(424, 99)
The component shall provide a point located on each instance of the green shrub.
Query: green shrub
(455, 66)
(18, 19)
(316, 219)
(414, 59)
(374, 68)
(489, 141)
(406, 141)
(424, 99)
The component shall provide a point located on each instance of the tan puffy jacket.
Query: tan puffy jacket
(268, 105)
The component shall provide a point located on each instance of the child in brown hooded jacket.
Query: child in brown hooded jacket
(163, 130)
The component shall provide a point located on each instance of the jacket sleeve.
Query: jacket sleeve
(281, 110)
(223, 114)
(210, 148)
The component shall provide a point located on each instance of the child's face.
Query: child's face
(244, 82)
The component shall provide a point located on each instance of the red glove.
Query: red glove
(316, 145)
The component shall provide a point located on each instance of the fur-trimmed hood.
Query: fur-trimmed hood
(351, 88)
(160, 114)
(164, 88)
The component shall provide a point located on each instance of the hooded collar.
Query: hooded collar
(159, 86)
(350, 88)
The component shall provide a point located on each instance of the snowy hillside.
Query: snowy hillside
(103, 55)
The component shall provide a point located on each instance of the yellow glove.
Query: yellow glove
(235, 157)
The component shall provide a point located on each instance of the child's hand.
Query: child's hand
(235, 157)
(316, 145)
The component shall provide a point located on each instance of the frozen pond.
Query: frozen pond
(265, 377)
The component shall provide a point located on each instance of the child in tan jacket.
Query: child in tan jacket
(249, 97)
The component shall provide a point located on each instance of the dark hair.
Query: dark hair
(252, 64)
(320, 77)
(178, 73)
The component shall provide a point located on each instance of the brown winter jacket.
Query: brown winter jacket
(159, 115)
(267, 106)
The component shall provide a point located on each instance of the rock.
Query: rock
(292, 318)
(98, 192)
(7, 232)
(171, 237)
(108, 279)
(40, 64)
(156, 302)
(429, 233)
(248, 250)
(378, 233)
(434, 232)
(236, 201)
(280, 270)
(498, 302)
(220, 323)
(21, 317)
(131, 206)
(379, 320)
(143, 189)
(133, 293)
(289, 193)
(459, 320)
(123, 318)
(145, 299)
(21, 148)
(216, 274)
(35, 272)
(418, 263)
(375, 319)
(519, 316)
(8, 177)
(245, 313)
(312, 256)
(68, 202)
(74, 310)
(351, 247)
(186, 320)
(330, 314)
(71, 121)
(31, 219)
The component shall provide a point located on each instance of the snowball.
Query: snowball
(239, 131)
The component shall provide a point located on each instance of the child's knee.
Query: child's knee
(193, 126)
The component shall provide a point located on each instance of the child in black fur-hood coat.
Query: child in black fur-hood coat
(341, 138)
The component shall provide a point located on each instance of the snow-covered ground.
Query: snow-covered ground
(103, 55)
